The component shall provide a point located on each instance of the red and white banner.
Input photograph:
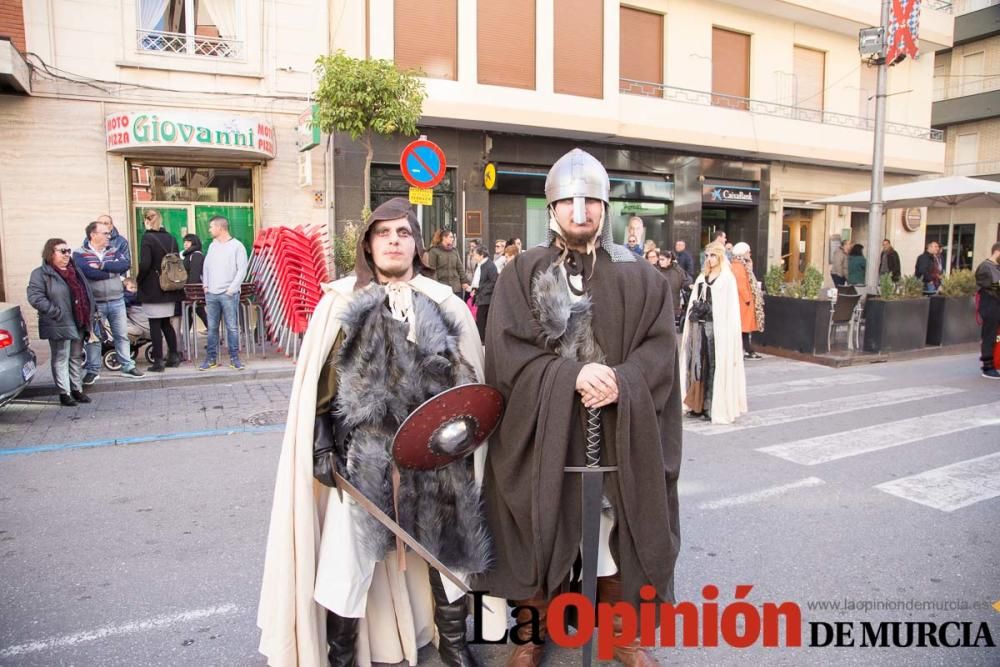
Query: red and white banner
(901, 38)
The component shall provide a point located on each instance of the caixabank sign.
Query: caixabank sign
(729, 195)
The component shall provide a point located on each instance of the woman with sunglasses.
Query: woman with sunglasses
(61, 295)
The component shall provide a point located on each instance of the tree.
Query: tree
(367, 97)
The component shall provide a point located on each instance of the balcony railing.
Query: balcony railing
(193, 45)
(983, 168)
(947, 87)
(686, 95)
(960, 7)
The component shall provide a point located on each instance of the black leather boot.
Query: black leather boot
(449, 617)
(342, 640)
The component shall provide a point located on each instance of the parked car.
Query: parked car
(17, 361)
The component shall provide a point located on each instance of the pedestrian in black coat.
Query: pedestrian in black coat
(194, 260)
(484, 279)
(160, 306)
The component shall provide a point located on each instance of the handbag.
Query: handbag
(471, 303)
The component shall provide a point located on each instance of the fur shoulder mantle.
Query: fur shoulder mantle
(382, 378)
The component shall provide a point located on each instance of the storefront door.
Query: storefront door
(963, 239)
(795, 245)
(388, 182)
(183, 219)
(188, 197)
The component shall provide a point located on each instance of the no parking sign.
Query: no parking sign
(422, 163)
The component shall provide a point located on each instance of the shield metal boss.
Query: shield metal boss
(448, 427)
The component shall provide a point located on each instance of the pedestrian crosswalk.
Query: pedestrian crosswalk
(945, 414)
(823, 408)
(951, 487)
(854, 442)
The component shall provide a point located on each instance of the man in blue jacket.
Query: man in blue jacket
(104, 264)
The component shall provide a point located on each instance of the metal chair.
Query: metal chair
(843, 312)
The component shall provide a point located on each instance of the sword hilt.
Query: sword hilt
(593, 437)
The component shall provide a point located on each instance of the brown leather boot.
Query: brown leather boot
(609, 589)
(530, 654)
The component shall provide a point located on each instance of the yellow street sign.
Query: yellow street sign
(490, 176)
(421, 196)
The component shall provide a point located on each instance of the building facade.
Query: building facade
(967, 109)
(708, 115)
(190, 107)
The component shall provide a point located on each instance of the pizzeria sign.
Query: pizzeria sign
(239, 136)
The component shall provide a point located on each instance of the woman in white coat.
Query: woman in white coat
(712, 377)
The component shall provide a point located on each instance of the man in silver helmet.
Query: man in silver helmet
(581, 343)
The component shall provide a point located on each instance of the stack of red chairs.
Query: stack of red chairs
(287, 267)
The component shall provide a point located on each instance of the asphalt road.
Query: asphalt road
(878, 485)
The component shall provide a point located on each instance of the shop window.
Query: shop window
(191, 184)
(212, 28)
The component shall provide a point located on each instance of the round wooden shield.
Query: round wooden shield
(447, 427)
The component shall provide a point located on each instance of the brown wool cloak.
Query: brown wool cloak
(533, 506)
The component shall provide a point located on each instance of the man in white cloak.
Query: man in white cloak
(329, 595)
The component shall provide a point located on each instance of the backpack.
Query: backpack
(173, 275)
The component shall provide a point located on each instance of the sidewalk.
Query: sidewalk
(841, 358)
(275, 366)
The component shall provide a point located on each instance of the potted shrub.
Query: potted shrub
(897, 318)
(796, 318)
(952, 317)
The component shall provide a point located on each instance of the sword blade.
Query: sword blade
(399, 532)
(593, 489)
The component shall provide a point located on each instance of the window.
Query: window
(810, 65)
(191, 184)
(579, 47)
(214, 28)
(426, 37)
(505, 39)
(730, 69)
(966, 153)
(640, 51)
(972, 73)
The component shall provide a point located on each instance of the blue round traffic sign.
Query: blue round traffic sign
(422, 163)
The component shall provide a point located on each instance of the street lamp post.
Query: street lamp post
(875, 209)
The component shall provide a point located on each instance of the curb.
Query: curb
(863, 359)
(166, 380)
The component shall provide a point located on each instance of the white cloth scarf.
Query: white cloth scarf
(401, 306)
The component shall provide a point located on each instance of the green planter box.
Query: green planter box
(952, 320)
(892, 326)
(796, 324)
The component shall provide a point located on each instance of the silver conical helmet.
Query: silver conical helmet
(577, 174)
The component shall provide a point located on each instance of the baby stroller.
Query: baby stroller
(138, 340)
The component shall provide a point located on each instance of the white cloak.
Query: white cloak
(729, 384)
(313, 562)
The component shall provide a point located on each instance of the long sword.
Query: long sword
(399, 531)
(593, 490)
